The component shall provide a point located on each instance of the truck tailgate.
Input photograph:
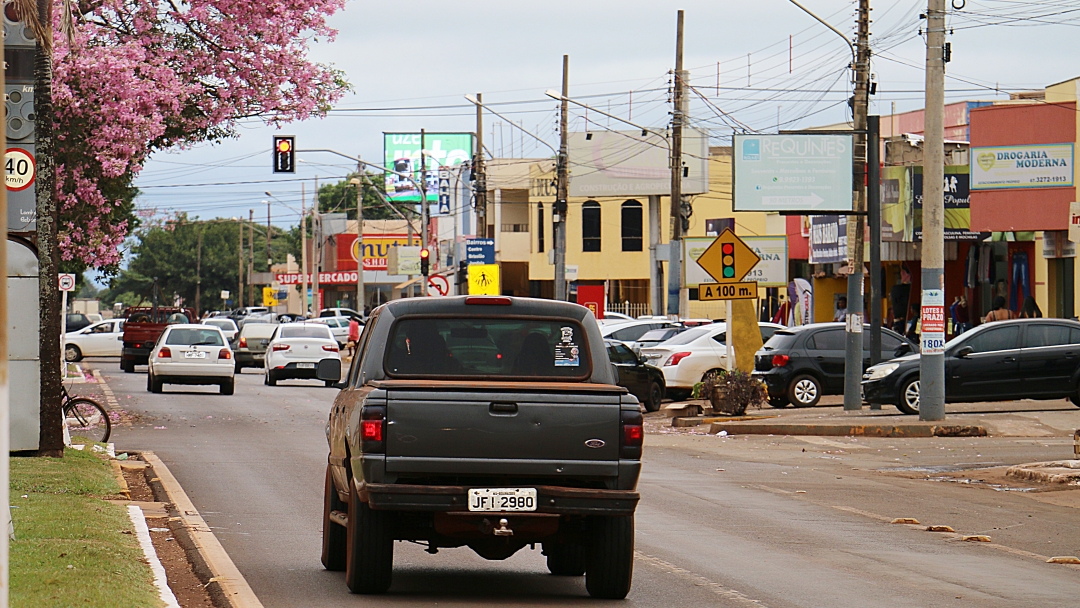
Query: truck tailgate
(499, 432)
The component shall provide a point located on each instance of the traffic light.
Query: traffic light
(284, 154)
(727, 262)
(425, 262)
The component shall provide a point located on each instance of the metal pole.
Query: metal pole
(873, 199)
(932, 357)
(560, 209)
(361, 297)
(424, 210)
(675, 274)
(269, 258)
(316, 304)
(303, 251)
(479, 178)
(198, 275)
(251, 257)
(729, 344)
(240, 264)
(854, 346)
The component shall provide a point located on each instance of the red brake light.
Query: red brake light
(224, 354)
(633, 435)
(489, 300)
(330, 348)
(278, 347)
(243, 342)
(780, 360)
(164, 353)
(675, 358)
(371, 430)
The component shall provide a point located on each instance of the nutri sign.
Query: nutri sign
(932, 315)
(325, 278)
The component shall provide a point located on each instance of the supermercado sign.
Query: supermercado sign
(1038, 166)
(325, 278)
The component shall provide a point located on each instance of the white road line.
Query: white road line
(143, 534)
(696, 579)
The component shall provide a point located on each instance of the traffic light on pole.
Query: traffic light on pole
(727, 262)
(284, 154)
(425, 262)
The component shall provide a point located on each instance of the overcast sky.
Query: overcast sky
(422, 53)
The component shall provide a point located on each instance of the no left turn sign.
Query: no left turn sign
(19, 169)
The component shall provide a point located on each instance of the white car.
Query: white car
(104, 339)
(191, 354)
(341, 312)
(688, 356)
(630, 331)
(339, 327)
(227, 326)
(296, 349)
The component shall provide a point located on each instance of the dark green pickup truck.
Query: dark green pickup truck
(488, 422)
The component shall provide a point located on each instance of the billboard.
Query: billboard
(1038, 166)
(401, 152)
(957, 204)
(828, 239)
(797, 173)
(627, 163)
(376, 250)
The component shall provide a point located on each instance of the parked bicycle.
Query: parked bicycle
(86, 418)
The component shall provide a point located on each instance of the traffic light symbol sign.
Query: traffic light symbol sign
(284, 154)
(728, 261)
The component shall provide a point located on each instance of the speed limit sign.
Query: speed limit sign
(19, 169)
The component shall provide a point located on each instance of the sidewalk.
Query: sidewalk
(1057, 418)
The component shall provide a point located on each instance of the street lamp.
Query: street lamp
(477, 102)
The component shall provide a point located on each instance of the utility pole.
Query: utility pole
(932, 356)
(269, 258)
(316, 251)
(562, 186)
(251, 257)
(675, 270)
(361, 297)
(240, 263)
(856, 222)
(198, 274)
(873, 214)
(303, 251)
(424, 209)
(479, 177)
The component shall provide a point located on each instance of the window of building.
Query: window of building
(540, 227)
(590, 226)
(631, 226)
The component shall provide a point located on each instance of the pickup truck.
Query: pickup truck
(488, 422)
(143, 326)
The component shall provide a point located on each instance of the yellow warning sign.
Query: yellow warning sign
(727, 291)
(269, 296)
(728, 259)
(484, 280)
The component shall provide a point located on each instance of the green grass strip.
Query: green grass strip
(72, 548)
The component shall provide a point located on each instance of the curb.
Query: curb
(1060, 471)
(212, 563)
(687, 421)
(855, 430)
(138, 520)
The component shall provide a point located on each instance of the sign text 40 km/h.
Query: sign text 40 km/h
(19, 169)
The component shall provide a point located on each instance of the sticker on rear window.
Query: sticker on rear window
(567, 355)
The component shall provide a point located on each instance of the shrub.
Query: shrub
(732, 392)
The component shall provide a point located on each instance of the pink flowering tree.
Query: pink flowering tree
(135, 76)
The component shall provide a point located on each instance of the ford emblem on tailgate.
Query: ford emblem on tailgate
(594, 443)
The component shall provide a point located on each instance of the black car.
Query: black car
(800, 364)
(646, 382)
(76, 321)
(1001, 361)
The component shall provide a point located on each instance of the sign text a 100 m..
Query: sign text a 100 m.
(728, 291)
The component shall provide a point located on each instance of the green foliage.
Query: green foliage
(732, 392)
(79, 472)
(340, 197)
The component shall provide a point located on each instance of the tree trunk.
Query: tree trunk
(51, 434)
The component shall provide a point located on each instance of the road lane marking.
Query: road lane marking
(110, 398)
(696, 579)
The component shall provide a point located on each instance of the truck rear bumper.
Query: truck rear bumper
(550, 499)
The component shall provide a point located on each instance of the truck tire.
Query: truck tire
(609, 564)
(334, 539)
(128, 366)
(370, 547)
(565, 559)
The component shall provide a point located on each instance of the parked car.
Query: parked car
(74, 321)
(250, 345)
(629, 332)
(615, 317)
(104, 339)
(295, 351)
(191, 354)
(258, 317)
(687, 357)
(339, 326)
(1000, 361)
(656, 336)
(801, 364)
(646, 382)
(226, 325)
(94, 317)
(341, 312)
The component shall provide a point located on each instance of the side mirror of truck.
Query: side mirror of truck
(329, 370)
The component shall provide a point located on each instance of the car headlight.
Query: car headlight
(880, 371)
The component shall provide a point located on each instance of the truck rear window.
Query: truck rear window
(499, 348)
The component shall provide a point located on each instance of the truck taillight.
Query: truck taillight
(633, 435)
(164, 353)
(779, 360)
(224, 354)
(373, 429)
(676, 357)
(243, 342)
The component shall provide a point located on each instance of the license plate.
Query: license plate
(305, 365)
(502, 499)
(195, 354)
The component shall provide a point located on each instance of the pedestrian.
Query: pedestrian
(1030, 309)
(841, 309)
(959, 313)
(354, 335)
(1000, 312)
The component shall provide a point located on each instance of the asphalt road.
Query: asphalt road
(723, 522)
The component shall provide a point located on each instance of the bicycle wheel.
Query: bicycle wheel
(88, 419)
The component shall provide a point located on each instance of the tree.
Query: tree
(341, 197)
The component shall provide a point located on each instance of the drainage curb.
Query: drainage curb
(854, 430)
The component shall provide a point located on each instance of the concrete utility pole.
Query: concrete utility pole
(562, 185)
(424, 210)
(873, 215)
(198, 274)
(675, 270)
(303, 250)
(240, 264)
(479, 177)
(361, 297)
(269, 258)
(860, 109)
(932, 357)
(316, 214)
(251, 257)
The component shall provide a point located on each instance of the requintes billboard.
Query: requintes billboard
(808, 174)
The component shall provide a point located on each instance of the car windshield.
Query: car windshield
(306, 331)
(191, 336)
(502, 348)
(689, 336)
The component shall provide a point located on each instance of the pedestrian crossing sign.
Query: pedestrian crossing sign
(484, 280)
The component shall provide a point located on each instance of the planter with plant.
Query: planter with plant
(732, 392)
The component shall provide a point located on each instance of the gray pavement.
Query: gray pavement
(734, 521)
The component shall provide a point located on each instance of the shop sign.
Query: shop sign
(956, 191)
(325, 278)
(772, 270)
(1074, 222)
(1006, 167)
(1056, 244)
(376, 249)
(797, 173)
(828, 239)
